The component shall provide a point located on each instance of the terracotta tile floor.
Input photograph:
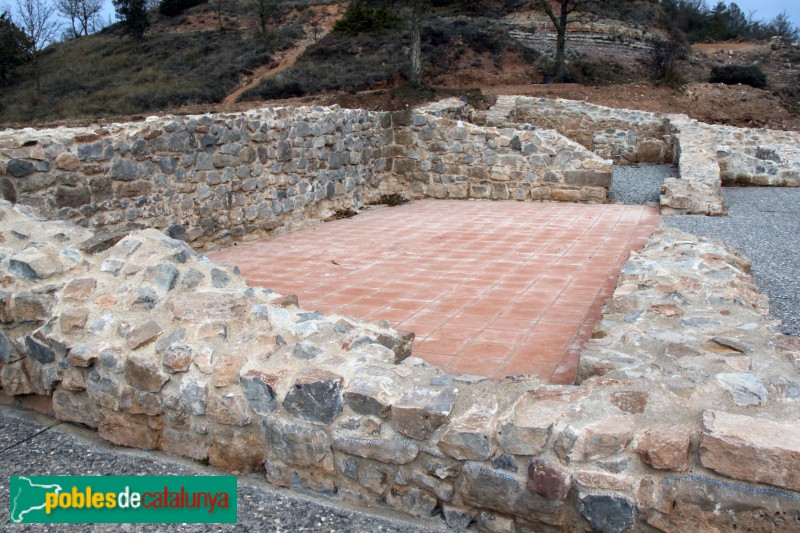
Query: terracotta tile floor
(490, 288)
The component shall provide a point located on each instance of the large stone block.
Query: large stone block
(136, 431)
(144, 372)
(30, 307)
(370, 395)
(595, 178)
(259, 389)
(412, 500)
(528, 425)
(79, 289)
(608, 513)
(549, 480)
(143, 334)
(37, 261)
(687, 503)
(226, 368)
(237, 449)
(603, 438)
(184, 443)
(74, 319)
(502, 492)
(396, 450)
(752, 449)
(14, 379)
(75, 407)
(419, 412)
(295, 443)
(193, 395)
(665, 447)
(73, 196)
(229, 408)
(316, 396)
(471, 435)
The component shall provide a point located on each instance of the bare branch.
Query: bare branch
(37, 19)
(549, 10)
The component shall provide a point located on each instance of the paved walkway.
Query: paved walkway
(32, 445)
(490, 288)
(764, 223)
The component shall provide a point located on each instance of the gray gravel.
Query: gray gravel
(764, 224)
(639, 184)
(30, 446)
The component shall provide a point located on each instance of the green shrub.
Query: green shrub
(362, 19)
(732, 74)
(173, 8)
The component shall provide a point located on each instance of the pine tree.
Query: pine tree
(133, 15)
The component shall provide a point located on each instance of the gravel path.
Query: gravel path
(764, 224)
(639, 184)
(34, 445)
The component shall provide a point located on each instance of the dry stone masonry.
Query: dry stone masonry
(685, 411)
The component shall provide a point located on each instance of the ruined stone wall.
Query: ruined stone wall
(622, 135)
(707, 155)
(685, 415)
(445, 158)
(759, 157)
(216, 179)
(204, 179)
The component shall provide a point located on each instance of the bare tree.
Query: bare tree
(560, 21)
(416, 41)
(82, 14)
(220, 8)
(265, 11)
(37, 19)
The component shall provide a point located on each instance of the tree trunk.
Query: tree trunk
(561, 43)
(416, 46)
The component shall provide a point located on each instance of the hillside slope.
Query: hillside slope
(186, 64)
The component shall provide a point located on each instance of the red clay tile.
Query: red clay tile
(519, 284)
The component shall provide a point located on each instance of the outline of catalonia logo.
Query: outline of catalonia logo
(122, 499)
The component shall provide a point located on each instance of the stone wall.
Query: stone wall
(706, 155)
(216, 179)
(622, 135)
(445, 158)
(685, 414)
(203, 179)
(765, 158)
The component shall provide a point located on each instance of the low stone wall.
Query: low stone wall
(686, 413)
(445, 158)
(706, 155)
(204, 179)
(214, 179)
(621, 135)
(698, 190)
(761, 157)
